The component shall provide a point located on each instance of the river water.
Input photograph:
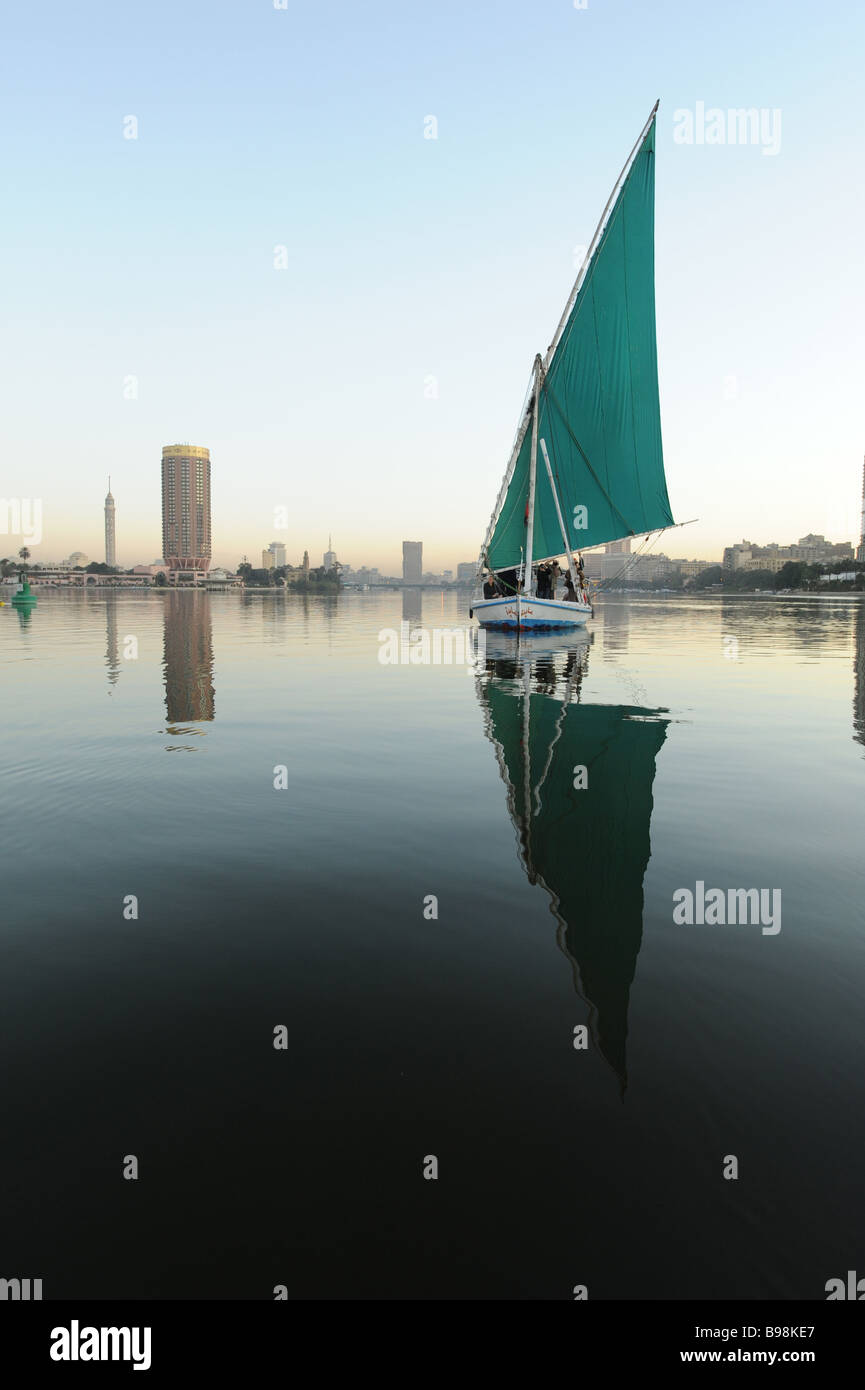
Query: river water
(295, 927)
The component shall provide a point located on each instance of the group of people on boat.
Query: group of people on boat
(546, 575)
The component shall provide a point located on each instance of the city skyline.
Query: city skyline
(317, 388)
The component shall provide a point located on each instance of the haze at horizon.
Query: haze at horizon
(374, 384)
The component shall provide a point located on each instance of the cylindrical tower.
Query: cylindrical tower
(860, 553)
(186, 508)
(110, 549)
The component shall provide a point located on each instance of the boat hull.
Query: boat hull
(530, 614)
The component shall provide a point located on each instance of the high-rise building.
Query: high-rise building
(110, 551)
(277, 550)
(267, 559)
(860, 551)
(306, 562)
(329, 557)
(622, 547)
(412, 562)
(466, 571)
(186, 509)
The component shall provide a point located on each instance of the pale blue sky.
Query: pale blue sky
(411, 258)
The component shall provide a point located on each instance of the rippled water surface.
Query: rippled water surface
(552, 799)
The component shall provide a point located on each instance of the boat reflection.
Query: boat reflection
(579, 783)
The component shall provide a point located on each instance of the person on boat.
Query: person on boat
(543, 581)
(570, 595)
(554, 579)
(491, 588)
(581, 577)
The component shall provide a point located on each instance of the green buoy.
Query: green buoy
(24, 598)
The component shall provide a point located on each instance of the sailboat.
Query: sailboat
(594, 417)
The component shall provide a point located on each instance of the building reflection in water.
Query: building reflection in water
(586, 845)
(112, 649)
(859, 674)
(188, 657)
(412, 605)
(616, 619)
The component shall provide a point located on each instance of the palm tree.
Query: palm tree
(24, 556)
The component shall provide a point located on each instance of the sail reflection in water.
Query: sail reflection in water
(188, 660)
(587, 846)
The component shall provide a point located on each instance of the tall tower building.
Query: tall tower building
(860, 552)
(412, 562)
(186, 509)
(329, 556)
(277, 550)
(110, 551)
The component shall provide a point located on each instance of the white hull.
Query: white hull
(526, 613)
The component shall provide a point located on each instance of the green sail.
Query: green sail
(599, 412)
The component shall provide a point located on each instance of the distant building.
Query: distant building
(447, 576)
(412, 562)
(630, 569)
(737, 556)
(267, 559)
(329, 557)
(217, 576)
(186, 510)
(277, 550)
(811, 550)
(622, 547)
(110, 550)
(78, 558)
(306, 562)
(689, 569)
(860, 552)
(466, 572)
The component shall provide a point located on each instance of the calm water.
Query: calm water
(722, 742)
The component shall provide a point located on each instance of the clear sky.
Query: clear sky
(410, 258)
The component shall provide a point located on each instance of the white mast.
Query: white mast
(571, 568)
(533, 479)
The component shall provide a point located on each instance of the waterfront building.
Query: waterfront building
(811, 550)
(267, 560)
(186, 510)
(329, 557)
(78, 559)
(412, 562)
(110, 549)
(277, 550)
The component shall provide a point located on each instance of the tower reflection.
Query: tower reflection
(188, 657)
